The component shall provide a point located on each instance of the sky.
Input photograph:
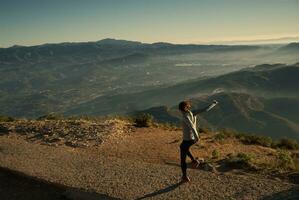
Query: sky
(33, 22)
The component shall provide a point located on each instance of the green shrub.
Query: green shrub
(215, 154)
(241, 161)
(245, 138)
(121, 117)
(51, 116)
(241, 136)
(286, 143)
(144, 120)
(245, 157)
(203, 130)
(285, 160)
(256, 139)
(167, 126)
(225, 133)
(6, 119)
(261, 140)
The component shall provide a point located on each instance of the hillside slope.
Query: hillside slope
(272, 81)
(262, 99)
(274, 117)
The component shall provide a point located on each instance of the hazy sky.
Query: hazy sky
(30, 22)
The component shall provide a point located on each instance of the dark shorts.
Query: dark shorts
(187, 143)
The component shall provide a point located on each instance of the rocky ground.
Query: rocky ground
(120, 161)
(73, 133)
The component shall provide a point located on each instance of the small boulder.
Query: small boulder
(3, 130)
(208, 167)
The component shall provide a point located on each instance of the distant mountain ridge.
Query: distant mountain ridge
(291, 46)
(110, 41)
(122, 77)
(107, 48)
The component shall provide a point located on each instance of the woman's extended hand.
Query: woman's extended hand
(212, 105)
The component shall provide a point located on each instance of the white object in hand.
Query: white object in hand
(212, 105)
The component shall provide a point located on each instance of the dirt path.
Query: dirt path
(129, 171)
(15, 185)
(160, 146)
(145, 144)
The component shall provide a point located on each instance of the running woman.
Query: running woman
(190, 134)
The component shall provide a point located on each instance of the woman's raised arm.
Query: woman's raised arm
(206, 109)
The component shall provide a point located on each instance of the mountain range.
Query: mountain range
(110, 76)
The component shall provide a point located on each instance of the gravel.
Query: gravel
(131, 179)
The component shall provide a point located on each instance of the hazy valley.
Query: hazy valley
(122, 77)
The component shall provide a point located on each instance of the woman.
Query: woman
(190, 135)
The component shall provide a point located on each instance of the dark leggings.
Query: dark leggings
(184, 147)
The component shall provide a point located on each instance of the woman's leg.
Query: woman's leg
(190, 155)
(183, 151)
(188, 150)
(184, 147)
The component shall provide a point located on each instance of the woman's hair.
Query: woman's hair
(183, 105)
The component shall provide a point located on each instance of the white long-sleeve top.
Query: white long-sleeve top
(189, 122)
(189, 126)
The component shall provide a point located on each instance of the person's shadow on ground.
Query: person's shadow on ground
(17, 185)
(290, 194)
(164, 190)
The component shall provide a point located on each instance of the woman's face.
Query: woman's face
(187, 107)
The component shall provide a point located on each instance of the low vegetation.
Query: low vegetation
(240, 161)
(284, 161)
(255, 139)
(144, 120)
(51, 116)
(167, 126)
(225, 133)
(6, 119)
(286, 143)
(249, 139)
(215, 154)
(285, 158)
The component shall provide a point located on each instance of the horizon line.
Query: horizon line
(266, 41)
